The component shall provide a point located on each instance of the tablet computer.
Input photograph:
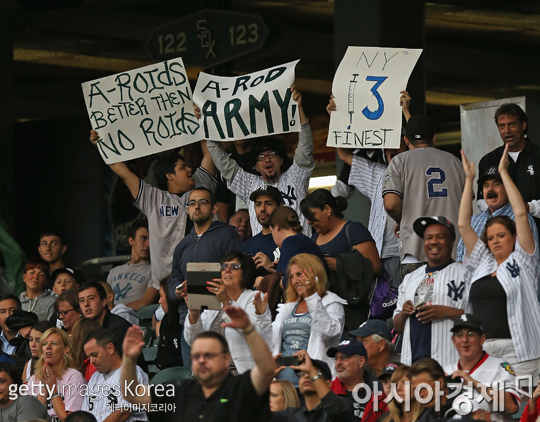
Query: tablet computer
(198, 273)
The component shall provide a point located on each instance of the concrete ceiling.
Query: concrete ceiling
(475, 50)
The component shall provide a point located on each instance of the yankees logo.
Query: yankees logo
(289, 196)
(455, 292)
(513, 268)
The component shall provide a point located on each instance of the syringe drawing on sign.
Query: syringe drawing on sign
(352, 86)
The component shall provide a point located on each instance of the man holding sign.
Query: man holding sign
(292, 184)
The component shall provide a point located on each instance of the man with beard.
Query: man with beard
(262, 247)
(215, 394)
(208, 241)
(496, 199)
(270, 155)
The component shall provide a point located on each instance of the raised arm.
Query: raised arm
(523, 228)
(207, 161)
(468, 235)
(346, 155)
(131, 180)
(132, 348)
(263, 372)
(304, 150)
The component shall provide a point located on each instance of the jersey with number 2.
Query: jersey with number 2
(429, 182)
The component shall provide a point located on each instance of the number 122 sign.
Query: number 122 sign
(366, 91)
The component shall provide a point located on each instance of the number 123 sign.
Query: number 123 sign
(366, 91)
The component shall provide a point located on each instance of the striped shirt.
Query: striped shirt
(367, 176)
(478, 222)
(518, 275)
(450, 288)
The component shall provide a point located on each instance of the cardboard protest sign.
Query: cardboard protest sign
(247, 106)
(143, 111)
(366, 91)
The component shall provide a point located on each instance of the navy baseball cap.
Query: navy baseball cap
(348, 347)
(389, 369)
(422, 223)
(271, 191)
(420, 128)
(373, 326)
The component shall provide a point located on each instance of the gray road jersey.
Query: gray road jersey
(429, 182)
(167, 218)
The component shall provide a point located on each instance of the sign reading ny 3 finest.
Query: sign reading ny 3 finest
(366, 91)
(142, 112)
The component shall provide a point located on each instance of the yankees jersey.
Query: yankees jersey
(167, 216)
(429, 182)
(104, 395)
(130, 281)
(451, 287)
(293, 183)
(518, 275)
(487, 371)
(478, 222)
(367, 177)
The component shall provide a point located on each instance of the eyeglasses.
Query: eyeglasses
(302, 375)
(201, 202)
(64, 313)
(263, 157)
(206, 356)
(233, 265)
(344, 358)
(463, 333)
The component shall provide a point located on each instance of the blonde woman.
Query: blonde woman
(283, 395)
(54, 370)
(312, 318)
(397, 412)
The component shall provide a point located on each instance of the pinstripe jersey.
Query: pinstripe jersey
(367, 176)
(429, 182)
(167, 216)
(450, 288)
(104, 395)
(293, 185)
(518, 276)
(478, 222)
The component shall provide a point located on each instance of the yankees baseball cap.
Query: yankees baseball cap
(348, 347)
(422, 223)
(491, 173)
(271, 191)
(388, 370)
(276, 145)
(467, 321)
(420, 128)
(373, 326)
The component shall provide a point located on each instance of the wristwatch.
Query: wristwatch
(316, 377)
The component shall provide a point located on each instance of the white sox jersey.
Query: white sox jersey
(293, 183)
(451, 287)
(488, 371)
(167, 216)
(104, 395)
(429, 182)
(518, 276)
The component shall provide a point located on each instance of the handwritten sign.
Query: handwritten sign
(247, 106)
(366, 90)
(143, 111)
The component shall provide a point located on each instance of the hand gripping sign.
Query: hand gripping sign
(366, 91)
(143, 111)
(248, 106)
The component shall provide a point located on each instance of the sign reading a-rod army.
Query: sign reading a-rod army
(142, 112)
(247, 106)
(366, 91)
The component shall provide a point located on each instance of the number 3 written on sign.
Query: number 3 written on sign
(374, 115)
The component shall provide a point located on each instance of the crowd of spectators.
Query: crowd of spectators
(290, 336)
